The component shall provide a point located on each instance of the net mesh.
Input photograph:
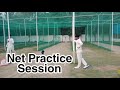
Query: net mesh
(51, 25)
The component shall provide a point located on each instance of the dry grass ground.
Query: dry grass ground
(104, 64)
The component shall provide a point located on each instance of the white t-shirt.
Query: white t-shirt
(78, 45)
(11, 40)
(10, 43)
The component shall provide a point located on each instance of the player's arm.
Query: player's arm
(80, 42)
(12, 41)
(6, 45)
(75, 41)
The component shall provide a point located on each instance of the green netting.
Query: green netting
(100, 31)
(98, 28)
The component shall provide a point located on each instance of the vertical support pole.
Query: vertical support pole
(43, 32)
(91, 32)
(4, 34)
(54, 34)
(102, 33)
(37, 30)
(25, 31)
(98, 30)
(112, 33)
(87, 32)
(57, 34)
(30, 31)
(16, 31)
(117, 29)
(19, 30)
(48, 30)
(73, 34)
(8, 24)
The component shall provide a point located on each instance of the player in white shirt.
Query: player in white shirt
(10, 49)
(80, 59)
(10, 45)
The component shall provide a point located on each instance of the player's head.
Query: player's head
(77, 37)
(42, 52)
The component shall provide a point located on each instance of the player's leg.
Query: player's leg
(7, 50)
(84, 63)
(13, 50)
(79, 58)
(10, 50)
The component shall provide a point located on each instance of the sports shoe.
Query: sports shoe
(86, 66)
(77, 67)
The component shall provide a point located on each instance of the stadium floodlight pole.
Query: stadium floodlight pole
(4, 33)
(8, 24)
(37, 30)
(73, 34)
(25, 31)
(98, 29)
(48, 30)
(112, 33)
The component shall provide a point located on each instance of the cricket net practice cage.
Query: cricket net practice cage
(45, 29)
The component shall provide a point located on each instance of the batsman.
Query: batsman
(80, 59)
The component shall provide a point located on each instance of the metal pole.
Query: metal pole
(48, 30)
(102, 33)
(43, 32)
(16, 31)
(117, 29)
(57, 34)
(87, 32)
(4, 34)
(19, 30)
(25, 31)
(30, 31)
(54, 34)
(91, 32)
(98, 30)
(37, 31)
(112, 34)
(73, 34)
(8, 25)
